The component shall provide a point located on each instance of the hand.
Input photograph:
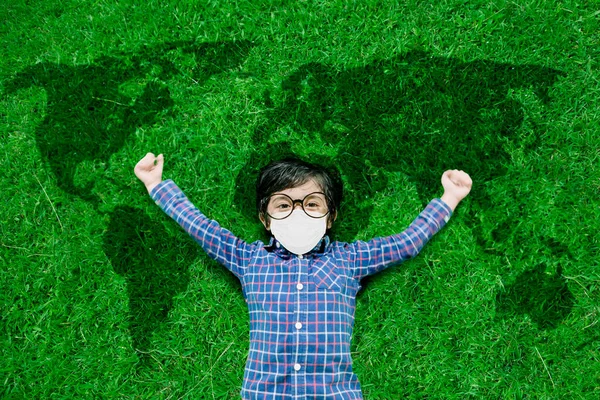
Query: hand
(149, 170)
(457, 185)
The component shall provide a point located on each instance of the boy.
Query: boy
(300, 287)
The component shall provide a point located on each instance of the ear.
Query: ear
(264, 221)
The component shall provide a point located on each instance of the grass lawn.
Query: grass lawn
(103, 296)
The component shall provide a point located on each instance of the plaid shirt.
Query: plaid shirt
(301, 307)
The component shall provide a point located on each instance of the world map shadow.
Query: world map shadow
(155, 267)
(91, 112)
(417, 114)
(93, 109)
(414, 113)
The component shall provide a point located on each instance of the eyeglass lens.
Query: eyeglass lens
(281, 206)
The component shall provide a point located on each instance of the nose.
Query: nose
(297, 202)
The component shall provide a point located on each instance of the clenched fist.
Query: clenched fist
(457, 185)
(149, 170)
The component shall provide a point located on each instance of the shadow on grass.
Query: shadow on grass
(543, 295)
(93, 109)
(413, 113)
(546, 298)
(91, 112)
(419, 115)
(155, 266)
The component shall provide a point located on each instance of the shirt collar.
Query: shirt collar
(277, 248)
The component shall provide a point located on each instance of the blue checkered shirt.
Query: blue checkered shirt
(301, 307)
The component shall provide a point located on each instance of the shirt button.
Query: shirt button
(300, 256)
(298, 325)
(297, 367)
(299, 286)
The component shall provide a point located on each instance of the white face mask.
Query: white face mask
(299, 233)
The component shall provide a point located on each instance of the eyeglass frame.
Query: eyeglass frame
(268, 199)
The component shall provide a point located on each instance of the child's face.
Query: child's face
(299, 193)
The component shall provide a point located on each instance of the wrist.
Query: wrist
(450, 200)
(151, 186)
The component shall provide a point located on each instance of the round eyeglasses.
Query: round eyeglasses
(281, 206)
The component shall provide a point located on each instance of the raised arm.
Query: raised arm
(219, 243)
(379, 253)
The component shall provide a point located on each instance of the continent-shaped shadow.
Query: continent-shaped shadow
(419, 115)
(91, 112)
(414, 113)
(546, 298)
(92, 109)
(155, 266)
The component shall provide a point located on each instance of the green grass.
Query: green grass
(102, 296)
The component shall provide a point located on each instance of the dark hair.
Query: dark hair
(292, 172)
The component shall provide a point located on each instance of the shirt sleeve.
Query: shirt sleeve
(379, 253)
(219, 243)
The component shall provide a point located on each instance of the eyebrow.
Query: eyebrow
(308, 194)
(320, 188)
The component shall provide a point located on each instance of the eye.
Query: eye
(315, 201)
